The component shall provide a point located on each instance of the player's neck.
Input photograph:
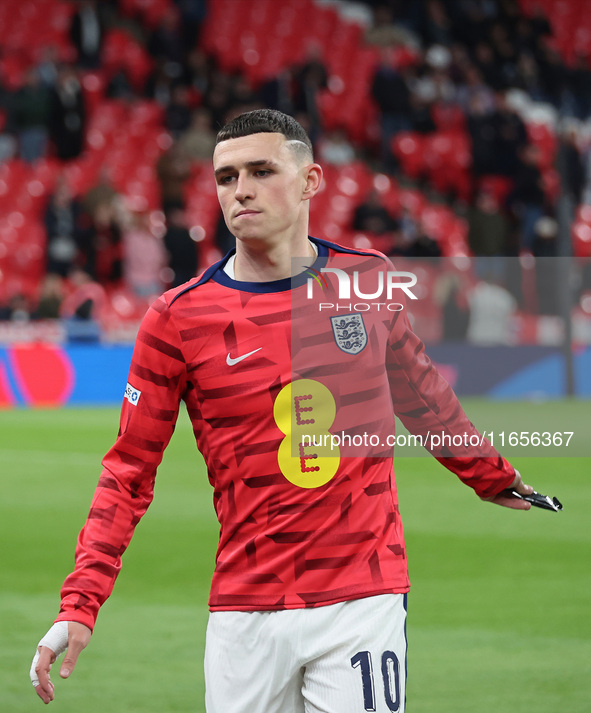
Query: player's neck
(256, 262)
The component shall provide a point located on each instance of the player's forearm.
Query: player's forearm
(126, 486)
(116, 509)
(428, 407)
(487, 476)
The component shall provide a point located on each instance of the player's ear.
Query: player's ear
(313, 180)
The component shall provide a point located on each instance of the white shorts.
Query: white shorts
(342, 658)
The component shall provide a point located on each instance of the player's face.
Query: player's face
(263, 187)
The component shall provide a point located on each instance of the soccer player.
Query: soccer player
(308, 598)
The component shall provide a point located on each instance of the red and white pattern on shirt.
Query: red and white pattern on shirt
(281, 545)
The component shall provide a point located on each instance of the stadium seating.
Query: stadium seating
(571, 24)
(259, 41)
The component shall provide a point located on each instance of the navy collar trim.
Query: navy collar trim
(288, 283)
(216, 272)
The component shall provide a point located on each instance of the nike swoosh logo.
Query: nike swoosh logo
(230, 361)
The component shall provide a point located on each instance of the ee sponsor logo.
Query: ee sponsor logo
(302, 407)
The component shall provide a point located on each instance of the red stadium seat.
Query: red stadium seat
(542, 135)
(498, 186)
(581, 238)
(123, 52)
(150, 12)
(408, 148)
(447, 159)
(93, 85)
(413, 200)
(449, 117)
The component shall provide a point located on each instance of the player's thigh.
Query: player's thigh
(366, 669)
(250, 664)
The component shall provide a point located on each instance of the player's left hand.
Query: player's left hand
(507, 501)
(63, 635)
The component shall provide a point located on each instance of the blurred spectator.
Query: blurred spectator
(87, 33)
(311, 79)
(483, 134)
(527, 76)
(51, 297)
(392, 95)
(497, 133)
(474, 96)
(119, 86)
(527, 199)
(17, 310)
(573, 173)
(491, 312)
(505, 52)
(511, 136)
(218, 97)
(545, 251)
(371, 216)
(30, 116)
(8, 144)
(579, 87)
(198, 68)
(243, 98)
(62, 226)
(68, 116)
(334, 148)
(173, 169)
(160, 83)
(421, 115)
(103, 191)
(436, 28)
(488, 67)
(143, 252)
(436, 82)
(487, 225)
(48, 65)
(459, 62)
(545, 237)
(166, 43)
(81, 308)
(411, 240)
(471, 21)
(524, 37)
(278, 91)
(102, 252)
(423, 246)
(198, 142)
(539, 23)
(450, 294)
(553, 75)
(408, 232)
(180, 247)
(386, 30)
(192, 14)
(178, 111)
(85, 295)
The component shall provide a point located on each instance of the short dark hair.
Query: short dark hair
(265, 121)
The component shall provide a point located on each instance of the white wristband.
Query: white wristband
(56, 639)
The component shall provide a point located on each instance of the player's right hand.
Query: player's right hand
(64, 635)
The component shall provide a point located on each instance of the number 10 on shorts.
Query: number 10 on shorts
(390, 677)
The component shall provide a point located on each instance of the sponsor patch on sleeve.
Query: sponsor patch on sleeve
(132, 395)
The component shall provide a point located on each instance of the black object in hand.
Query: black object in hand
(537, 499)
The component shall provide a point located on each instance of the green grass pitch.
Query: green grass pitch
(499, 612)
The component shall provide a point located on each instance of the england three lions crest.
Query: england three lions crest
(349, 333)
